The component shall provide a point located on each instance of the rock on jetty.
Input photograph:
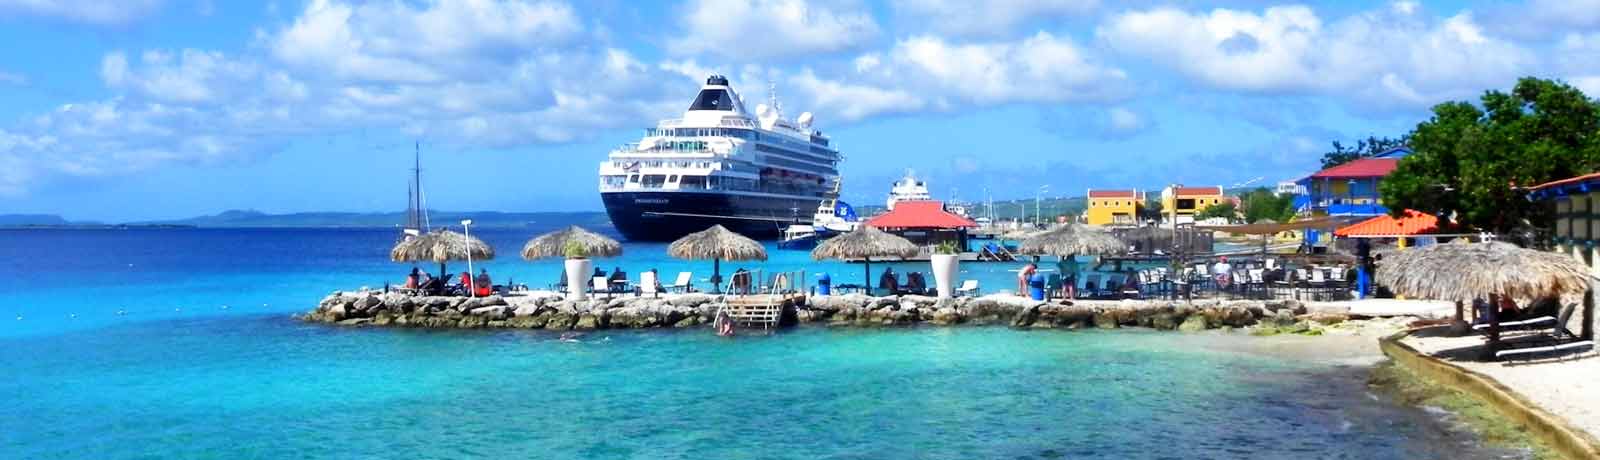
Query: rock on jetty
(550, 311)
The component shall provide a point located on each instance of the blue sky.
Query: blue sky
(146, 109)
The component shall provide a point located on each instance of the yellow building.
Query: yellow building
(1188, 201)
(1113, 207)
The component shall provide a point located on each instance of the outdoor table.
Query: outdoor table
(850, 288)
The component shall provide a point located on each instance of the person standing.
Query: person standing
(1026, 272)
(1068, 267)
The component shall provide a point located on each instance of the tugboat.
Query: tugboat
(833, 217)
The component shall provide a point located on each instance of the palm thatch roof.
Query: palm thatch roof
(554, 244)
(1072, 239)
(862, 243)
(716, 242)
(1466, 271)
(440, 246)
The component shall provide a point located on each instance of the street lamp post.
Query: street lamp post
(1037, 197)
(466, 231)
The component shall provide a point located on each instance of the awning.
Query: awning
(1328, 222)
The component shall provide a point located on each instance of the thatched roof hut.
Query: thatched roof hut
(717, 244)
(440, 246)
(1467, 271)
(865, 242)
(1072, 239)
(554, 244)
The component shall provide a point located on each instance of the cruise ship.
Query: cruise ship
(754, 173)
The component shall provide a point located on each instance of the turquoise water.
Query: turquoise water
(177, 376)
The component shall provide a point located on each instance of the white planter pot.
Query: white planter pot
(944, 273)
(578, 273)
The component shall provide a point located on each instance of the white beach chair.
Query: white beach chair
(598, 285)
(649, 285)
(683, 283)
(968, 288)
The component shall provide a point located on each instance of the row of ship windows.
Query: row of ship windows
(661, 164)
(683, 182)
(742, 134)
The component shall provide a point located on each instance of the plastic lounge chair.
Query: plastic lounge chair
(968, 288)
(684, 283)
(1558, 340)
(648, 285)
(598, 285)
(1092, 286)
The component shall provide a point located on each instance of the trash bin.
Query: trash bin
(1036, 286)
(824, 284)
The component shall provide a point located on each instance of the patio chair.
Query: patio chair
(1257, 282)
(684, 283)
(1129, 287)
(1539, 316)
(968, 288)
(1091, 286)
(1318, 284)
(648, 285)
(598, 285)
(1557, 340)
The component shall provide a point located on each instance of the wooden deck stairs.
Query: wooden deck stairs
(761, 310)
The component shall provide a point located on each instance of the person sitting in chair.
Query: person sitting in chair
(414, 279)
(482, 283)
(889, 281)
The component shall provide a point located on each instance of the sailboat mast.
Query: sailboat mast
(422, 203)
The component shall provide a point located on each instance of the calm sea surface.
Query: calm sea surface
(178, 344)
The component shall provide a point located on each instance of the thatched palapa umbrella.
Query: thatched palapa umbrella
(440, 246)
(865, 242)
(554, 244)
(1072, 239)
(716, 243)
(1465, 271)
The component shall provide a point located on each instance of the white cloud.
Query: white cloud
(396, 42)
(1041, 68)
(1385, 58)
(189, 76)
(853, 101)
(92, 12)
(483, 74)
(760, 29)
(991, 18)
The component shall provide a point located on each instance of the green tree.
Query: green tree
(1470, 163)
(1261, 204)
(1224, 210)
(1364, 148)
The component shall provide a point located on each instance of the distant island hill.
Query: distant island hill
(256, 219)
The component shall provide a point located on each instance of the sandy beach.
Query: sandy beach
(1566, 388)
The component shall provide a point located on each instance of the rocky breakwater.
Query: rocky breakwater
(520, 312)
(689, 310)
(863, 311)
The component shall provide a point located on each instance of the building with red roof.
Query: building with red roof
(1113, 207)
(1349, 189)
(924, 222)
